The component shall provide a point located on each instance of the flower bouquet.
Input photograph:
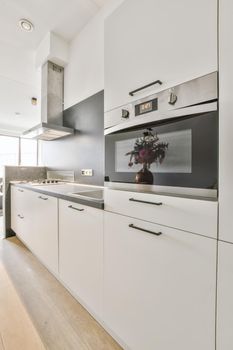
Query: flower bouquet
(147, 150)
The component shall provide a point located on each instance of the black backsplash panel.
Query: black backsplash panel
(83, 150)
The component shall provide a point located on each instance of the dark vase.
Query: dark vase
(144, 176)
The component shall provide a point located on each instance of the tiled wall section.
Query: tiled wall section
(16, 173)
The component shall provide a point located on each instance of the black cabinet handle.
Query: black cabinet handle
(71, 207)
(147, 231)
(43, 198)
(145, 202)
(21, 217)
(131, 93)
(20, 190)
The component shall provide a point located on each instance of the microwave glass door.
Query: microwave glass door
(182, 152)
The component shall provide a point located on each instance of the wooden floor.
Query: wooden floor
(37, 312)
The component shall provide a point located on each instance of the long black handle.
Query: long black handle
(147, 231)
(71, 207)
(131, 93)
(20, 190)
(145, 202)
(43, 198)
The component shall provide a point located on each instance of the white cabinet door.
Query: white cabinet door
(80, 252)
(44, 229)
(20, 220)
(225, 297)
(225, 121)
(173, 41)
(34, 218)
(159, 291)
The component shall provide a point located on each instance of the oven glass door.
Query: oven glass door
(182, 152)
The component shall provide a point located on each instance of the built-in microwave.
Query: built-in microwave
(173, 150)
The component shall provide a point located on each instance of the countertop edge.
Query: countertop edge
(89, 203)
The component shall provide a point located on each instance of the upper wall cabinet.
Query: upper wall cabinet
(150, 40)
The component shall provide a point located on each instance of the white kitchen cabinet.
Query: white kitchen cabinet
(20, 213)
(34, 218)
(159, 291)
(225, 297)
(81, 252)
(193, 215)
(145, 41)
(225, 121)
(44, 229)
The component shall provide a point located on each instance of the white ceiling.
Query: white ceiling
(64, 17)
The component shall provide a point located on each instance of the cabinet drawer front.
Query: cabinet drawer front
(159, 291)
(198, 216)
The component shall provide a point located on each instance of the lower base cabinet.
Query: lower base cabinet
(225, 297)
(34, 218)
(44, 229)
(153, 286)
(81, 252)
(159, 290)
(20, 213)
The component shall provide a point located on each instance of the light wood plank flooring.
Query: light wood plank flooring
(37, 312)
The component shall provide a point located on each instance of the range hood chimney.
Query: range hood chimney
(52, 97)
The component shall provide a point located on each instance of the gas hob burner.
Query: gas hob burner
(51, 181)
(46, 182)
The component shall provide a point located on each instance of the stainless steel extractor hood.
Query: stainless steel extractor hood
(52, 97)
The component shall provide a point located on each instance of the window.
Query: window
(28, 154)
(9, 151)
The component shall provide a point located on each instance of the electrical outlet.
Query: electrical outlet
(87, 172)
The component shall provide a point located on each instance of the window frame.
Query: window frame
(19, 149)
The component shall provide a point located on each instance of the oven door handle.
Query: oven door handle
(145, 202)
(132, 93)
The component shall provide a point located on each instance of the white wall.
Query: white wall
(84, 75)
(19, 82)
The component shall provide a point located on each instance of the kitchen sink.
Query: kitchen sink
(94, 195)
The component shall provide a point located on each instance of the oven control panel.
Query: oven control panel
(195, 92)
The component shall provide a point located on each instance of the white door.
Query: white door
(145, 41)
(225, 297)
(159, 290)
(80, 252)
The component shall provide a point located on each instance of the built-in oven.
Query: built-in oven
(173, 149)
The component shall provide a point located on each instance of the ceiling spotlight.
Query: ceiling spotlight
(26, 25)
